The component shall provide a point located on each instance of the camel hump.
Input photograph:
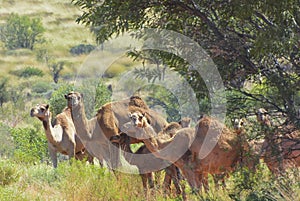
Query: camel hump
(171, 128)
(138, 102)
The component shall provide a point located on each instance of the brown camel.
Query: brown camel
(61, 137)
(189, 144)
(171, 172)
(281, 148)
(96, 132)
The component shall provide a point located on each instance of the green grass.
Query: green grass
(81, 181)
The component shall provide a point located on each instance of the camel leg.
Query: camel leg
(144, 180)
(176, 180)
(53, 156)
(167, 181)
(204, 181)
(150, 180)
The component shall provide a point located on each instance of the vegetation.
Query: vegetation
(248, 42)
(254, 45)
(21, 32)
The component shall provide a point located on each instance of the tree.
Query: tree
(248, 41)
(21, 32)
(4, 95)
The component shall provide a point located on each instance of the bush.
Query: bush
(21, 32)
(6, 143)
(8, 173)
(95, 94)
(30, 144)
(57, 100)
(41, 87)
(81, 49)
(28, 72)
(4, 94)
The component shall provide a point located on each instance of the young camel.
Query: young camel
(96, 132)
(62, 137)
(184, 148)
(280, 151)
(146, 171)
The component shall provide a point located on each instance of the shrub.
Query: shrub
(28, 72)
(8, 173)
(41, 87)
(4, 94)
(95, 94)
(30, 144)
(6, 143)
(57, 100)
(82, 49)
(21, 32)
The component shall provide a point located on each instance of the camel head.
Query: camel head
(263, 116)
(185, 122)
(238, 125)
(74, 99)
(139, 119)
(40, 111)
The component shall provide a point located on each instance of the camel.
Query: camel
(172, 173)
(96, 132)
(185, 122)
(184, 148)
(281, 149)
(146, 170)
(62, 137)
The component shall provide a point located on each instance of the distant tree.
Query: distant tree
(21, 32)
(55, 69)
(4, 94)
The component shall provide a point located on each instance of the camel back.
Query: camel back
(115, 114)
(227, 140)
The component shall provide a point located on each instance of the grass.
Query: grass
(81, 181)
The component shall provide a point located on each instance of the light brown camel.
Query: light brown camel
(62, 136)
(146, 171)
(281, 148)
(96, 132)
(171, 171)
(187, 143)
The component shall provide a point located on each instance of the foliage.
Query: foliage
(28, 72)
(248, 42)
(8, 173)
(82, 49)
(6, 143)
(21, 32)
(57, 101)
(95, 94)
(41, 87)
(4, 95)
(30, 144)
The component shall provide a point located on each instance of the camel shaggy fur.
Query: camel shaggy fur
(96, 132)
(62, 136)
(281, 149)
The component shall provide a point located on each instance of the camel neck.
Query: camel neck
(48, 130)
(81, 123)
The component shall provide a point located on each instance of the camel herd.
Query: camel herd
(193, 152)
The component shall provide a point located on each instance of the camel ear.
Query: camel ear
(145, 114)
